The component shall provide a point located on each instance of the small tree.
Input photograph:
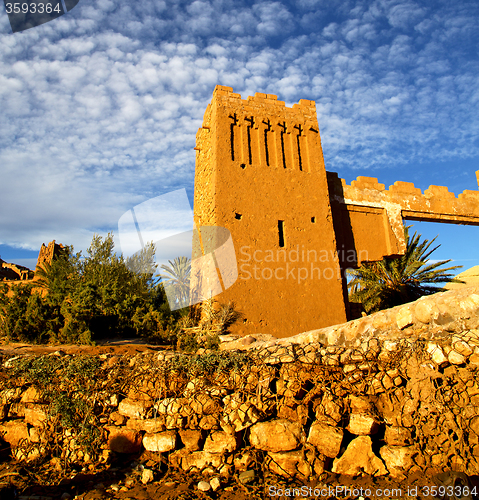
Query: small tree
(176, 281)
(398, 280)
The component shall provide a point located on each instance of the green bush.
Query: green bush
(79, 299)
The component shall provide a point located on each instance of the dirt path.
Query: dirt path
(112, 346)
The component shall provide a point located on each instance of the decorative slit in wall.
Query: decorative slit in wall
(232, 135)
(281, 233)
(300, 130)
(283, 131)
(266, 130)
(248, 129)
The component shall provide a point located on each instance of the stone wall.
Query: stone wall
(383, 407)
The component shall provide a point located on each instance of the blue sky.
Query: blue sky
(99, 108)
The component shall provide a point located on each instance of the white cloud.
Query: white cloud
(100, 108)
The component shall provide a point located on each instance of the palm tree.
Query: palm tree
(177, 280)
(397, 280)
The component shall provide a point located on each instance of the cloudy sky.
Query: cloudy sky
(99, 108)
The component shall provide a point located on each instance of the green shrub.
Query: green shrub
(77, 299)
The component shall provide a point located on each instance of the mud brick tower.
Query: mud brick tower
(260, 174)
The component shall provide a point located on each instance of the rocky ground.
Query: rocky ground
(126, 480)
(140, 478)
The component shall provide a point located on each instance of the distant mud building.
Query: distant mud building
(14, 273)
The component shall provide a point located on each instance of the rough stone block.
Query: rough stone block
(397, 458)
(289, 464)
(276, 435)
(220, 442)
(133, 409)
(160, 442)
(238, 415)
(397, 436)
(462, 347)
(191, 439)
(35, 415)
(31, 395)
(171, 406)
(360, 404)
(362, 424)
(455, 358)
(359, 459)
(204, 404)
(118, 419)
(150, 425)
(209, 422)
(404, 317)
(436, 353)
(14, 431)
(326, 439)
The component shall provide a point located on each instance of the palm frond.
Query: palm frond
(394, 281)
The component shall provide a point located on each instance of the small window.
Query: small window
(281, 233)
(238, 216)
(313, 219)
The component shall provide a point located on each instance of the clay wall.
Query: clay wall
(260, 174)
(48, 253)
(14, 272)
(369, 218)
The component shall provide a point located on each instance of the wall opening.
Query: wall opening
(248, 129)
(283, 131)
(266, 130)
(281, 233)
(300, 130)
(232, 135)
(238, 216)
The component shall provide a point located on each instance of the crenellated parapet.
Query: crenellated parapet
(402, 201)
(264, 132)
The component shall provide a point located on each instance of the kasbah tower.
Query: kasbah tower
(260, 174)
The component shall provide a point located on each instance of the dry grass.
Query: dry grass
(204, 325)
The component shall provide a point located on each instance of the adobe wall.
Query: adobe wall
(48, 253)
(394, 407)
(14, 272)
(369, 218)
(260, 174)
